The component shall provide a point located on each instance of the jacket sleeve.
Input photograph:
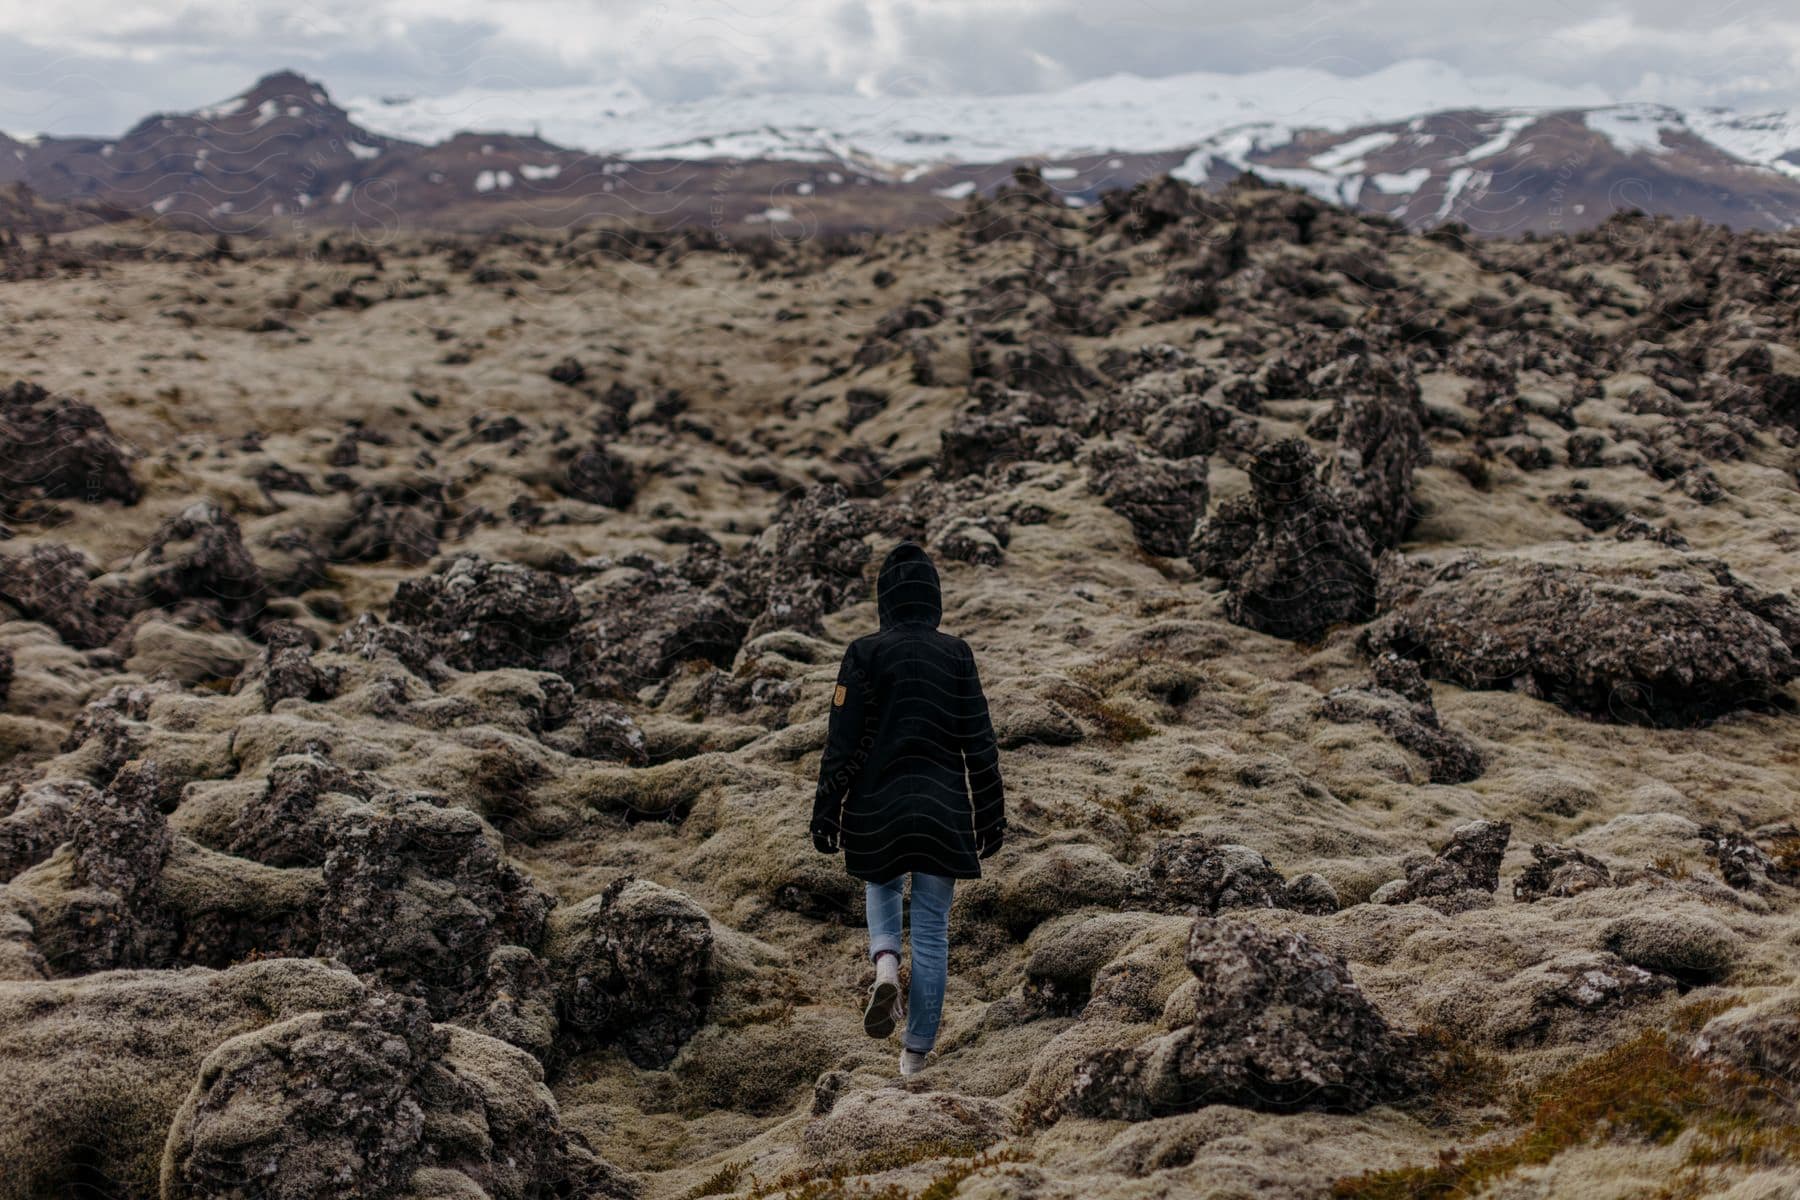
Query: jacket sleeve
(847, 742)
(980, 754)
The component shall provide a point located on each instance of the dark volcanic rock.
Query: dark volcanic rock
(115, 720)
(1470, 863)
(1380, 444)
(483, 616)
(1026, 208)
(274, 477)
(886, 339)
(121, 842)
(287, 825)
(651, 617)
(952, 518)
(569, 372)
(1279, 1026)
(197, 560)
(340, 1104)
(1663, 644)
(1746, 865)
(1398, 701)
(374, 1100)
(808, 563)
(980, 540)
(40, 822)
(120, 837)
(517, 1003)
(51, 583)
(285, 669)
(598, 476)
(1162, 498)
(58, 449)
(1197, 874)
(1573, 995)
(403, 521)
(1558, 871)
(599, 729)
(128, 893)
(419, 897)
(1006, 426)
(632, 966)
(1295, 558)
(1598, 513)
(368, 637)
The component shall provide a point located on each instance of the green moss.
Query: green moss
(841, 1182)
(773, 1012)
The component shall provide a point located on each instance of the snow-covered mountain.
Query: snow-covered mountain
(1122, 112)
(1418, 141)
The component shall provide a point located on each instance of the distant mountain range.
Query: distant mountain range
(1417, 141)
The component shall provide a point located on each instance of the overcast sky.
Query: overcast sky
(93, 66)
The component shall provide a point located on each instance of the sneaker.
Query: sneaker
(912, 1062)
(884, 1008)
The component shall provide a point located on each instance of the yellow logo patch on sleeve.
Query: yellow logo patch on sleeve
(840, 695)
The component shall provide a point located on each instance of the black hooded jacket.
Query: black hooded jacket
(910, 780)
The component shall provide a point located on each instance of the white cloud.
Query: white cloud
(97, 65)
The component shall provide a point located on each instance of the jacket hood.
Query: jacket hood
(907, 590)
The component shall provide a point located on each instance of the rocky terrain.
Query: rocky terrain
(415, 658)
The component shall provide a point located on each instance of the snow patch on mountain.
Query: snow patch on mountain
(562, 114)
(1401, 183)
(1504, 133)
(1634, 128)
(1771, 139)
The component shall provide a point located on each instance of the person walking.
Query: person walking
(909, 787)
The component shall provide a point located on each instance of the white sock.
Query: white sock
(887, 969)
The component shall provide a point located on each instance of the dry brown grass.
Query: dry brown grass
(1648, 1090)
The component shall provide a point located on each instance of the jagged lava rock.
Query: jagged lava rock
(650, 617)
(1558, 871)
(1380, 444)
(55, 448)
(1398, 701)
(285, 668)
(1295, 558)
(1279, 1026)
(631, 965)
(1469, 863)
(197, 558)
(481, 615)
(1162, 498)
(374, 1100)
(40, 822)
(808, 563)
(52, 583)
(1197, 874)
(1664, 643)
(419, 897)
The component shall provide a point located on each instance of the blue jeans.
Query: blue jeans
(930, 947)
